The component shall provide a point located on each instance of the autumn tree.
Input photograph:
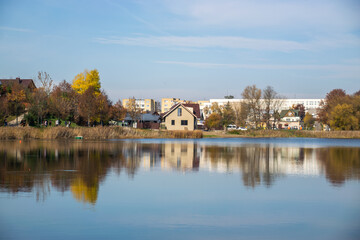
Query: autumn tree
(342, 118)
(228, 115)
(39, 106)
(87, 79)
(272, 103)
(117, 111)
(103, 107)
(87, 107)
(133, 109)
(301, 109)
(214, 121)
(63, 101)
(240, 113)
(309, 120)
(333, 98)
(16, 98)
(252, 98)
(45, 82)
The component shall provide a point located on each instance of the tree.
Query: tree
(252, 96)
(342, 118)
(301, 109)
(45, 82)
(39, 105)
(63, 101)
(87, 107)
(214, 121)
(228, 115)
(133, 109)
(16, 98)
(87, 79)
(333, 98)
(103, 107)
(272, 103)
(229, 97)
(240, 113)
(309, 120)
(117, 111)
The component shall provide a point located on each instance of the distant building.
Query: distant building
(289, 119)
(25, 83)
(146, 105)
(167, 103)
(180, 117)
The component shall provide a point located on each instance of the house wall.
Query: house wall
(185, 116)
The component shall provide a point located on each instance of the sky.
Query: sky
(188, 49)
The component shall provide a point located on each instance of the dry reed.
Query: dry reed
(94, 133)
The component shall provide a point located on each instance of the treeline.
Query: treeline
(83, 102)
(340, 111)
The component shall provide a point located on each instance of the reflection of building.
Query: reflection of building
(180, 156)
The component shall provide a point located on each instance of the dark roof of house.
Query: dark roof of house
(27, 83)
(147, 117)
(194, 106)
(284, 112)
(175, 107)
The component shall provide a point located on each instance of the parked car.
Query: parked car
(242, 128)
(231, 127)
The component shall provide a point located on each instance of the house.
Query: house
(290, 119)
(25, 83)
(144, 121)
(180, 117)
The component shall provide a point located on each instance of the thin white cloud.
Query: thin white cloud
(15, 29)
(324, 15)
(338, 67)
(230, 42)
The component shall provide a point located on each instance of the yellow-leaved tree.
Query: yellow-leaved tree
(87, 79)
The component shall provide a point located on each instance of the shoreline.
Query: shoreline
(115, 132)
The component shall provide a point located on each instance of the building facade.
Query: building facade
(167, 103)
(180, 118)
(146, 105)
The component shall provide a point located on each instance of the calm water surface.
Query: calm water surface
(180, 189)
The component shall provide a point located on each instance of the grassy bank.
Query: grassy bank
(283, 134)
(93, 133)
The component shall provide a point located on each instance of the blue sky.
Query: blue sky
(194, 50)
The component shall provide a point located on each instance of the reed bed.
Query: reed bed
(93, 133)
(292, 133)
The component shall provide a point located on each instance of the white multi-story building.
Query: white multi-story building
(309, 104)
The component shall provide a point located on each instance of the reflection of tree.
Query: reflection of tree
(340, 163)
(83, 192)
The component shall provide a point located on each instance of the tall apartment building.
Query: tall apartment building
(167, 103)
(146, 105)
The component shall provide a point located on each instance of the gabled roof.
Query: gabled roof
(177, 106)
(284, 112)
(147, 117)
(195, 107)
(26, 83)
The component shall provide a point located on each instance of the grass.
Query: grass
(91, 133)
(287, 134)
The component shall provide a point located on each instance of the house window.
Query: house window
(172, 122)
(184, 122)
(179, 112)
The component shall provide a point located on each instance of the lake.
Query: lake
(180, 189)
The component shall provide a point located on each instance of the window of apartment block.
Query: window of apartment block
(184, 122)
(172, 122)
(179, 112)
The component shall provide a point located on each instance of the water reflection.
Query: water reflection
(80, 167)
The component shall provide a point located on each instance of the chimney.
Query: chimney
(19, 80)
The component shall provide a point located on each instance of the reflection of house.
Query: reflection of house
(289, 119)
(180, 156)
(180, 118)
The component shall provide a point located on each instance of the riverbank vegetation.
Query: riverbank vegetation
(93, 133)
(264, 133)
